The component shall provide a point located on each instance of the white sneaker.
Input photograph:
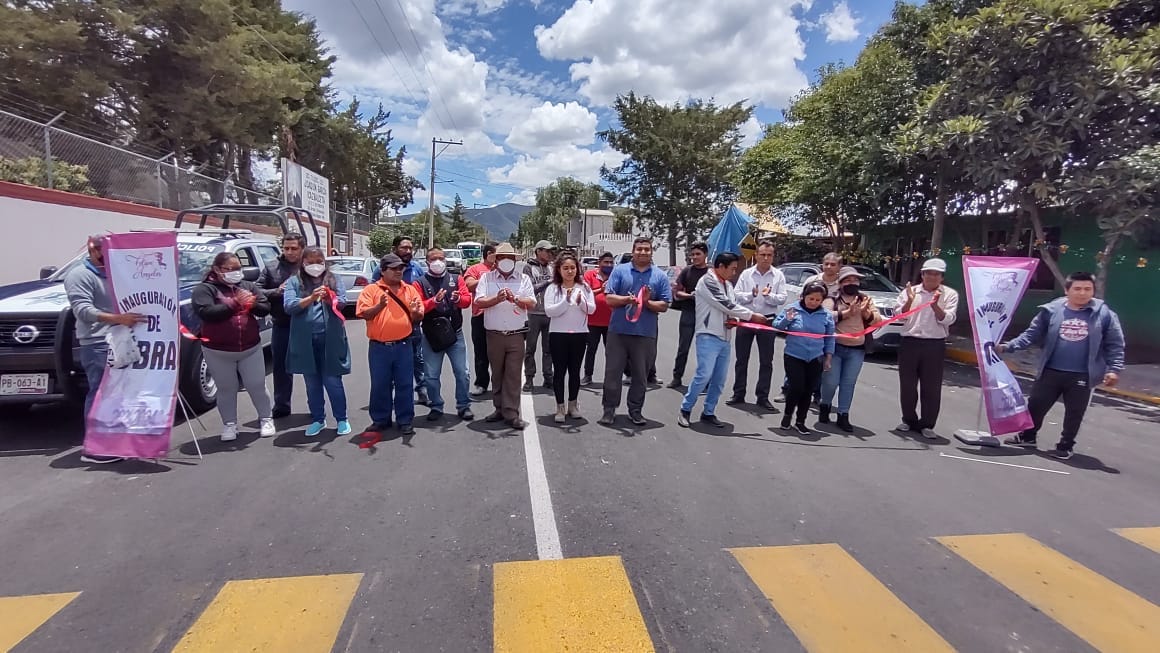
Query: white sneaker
(268, 429)
(929, 434)
(903, 427)
(229, 432)
(476, 391)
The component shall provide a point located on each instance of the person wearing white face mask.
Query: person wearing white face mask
(444, 298)
(228, 307)
(318, 349)
(505, 298)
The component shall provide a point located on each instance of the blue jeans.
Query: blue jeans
(317, 383)
(94, 360)
(712, 368)
(433, 362)
(392, 382)
(843, 375)
(283, 380)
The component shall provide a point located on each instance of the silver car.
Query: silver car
(355, 273)
(883, 291)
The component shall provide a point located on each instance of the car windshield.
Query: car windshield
(453, 253)
(346, 265)
(193, 262)
(874, 282)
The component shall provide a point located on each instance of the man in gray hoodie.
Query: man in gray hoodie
(92, 305)
(1083, 346)
(539, 269)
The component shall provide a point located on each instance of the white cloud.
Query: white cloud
(477, 193)
(840, 23)
(550, 126)
(677, 49)
(751, 132)
(469, 7)
(566, 161)
(525, 197)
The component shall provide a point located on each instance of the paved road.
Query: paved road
(741, 539)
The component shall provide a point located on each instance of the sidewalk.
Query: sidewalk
(1139, 382)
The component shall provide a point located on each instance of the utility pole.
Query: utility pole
(431, 200)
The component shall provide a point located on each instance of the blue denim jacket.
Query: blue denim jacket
(1106, 346)
(803, 348)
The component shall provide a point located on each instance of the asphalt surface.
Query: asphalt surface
(426, 520)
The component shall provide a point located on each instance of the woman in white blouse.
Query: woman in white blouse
(568, 301)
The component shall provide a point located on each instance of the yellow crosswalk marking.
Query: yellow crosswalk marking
(298, 614)
(832, 603)
(21, 615)
(1146, 537)
(576, 604)
(1107, 616)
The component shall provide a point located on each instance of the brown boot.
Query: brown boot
(574, 409)
(559, 413)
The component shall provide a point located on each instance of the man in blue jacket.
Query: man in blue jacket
(1083, 346)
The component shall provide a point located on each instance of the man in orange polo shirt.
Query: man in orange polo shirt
(391, 308)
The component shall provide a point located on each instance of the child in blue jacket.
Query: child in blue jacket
(805, 358)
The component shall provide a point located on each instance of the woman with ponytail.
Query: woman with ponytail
(318, 346)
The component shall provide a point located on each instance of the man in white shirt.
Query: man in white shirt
(760, 289)
(716, 304)
(922, 353)
(505, 296)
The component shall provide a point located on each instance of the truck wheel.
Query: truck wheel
(197, 386)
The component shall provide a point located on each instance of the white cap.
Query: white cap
(935, 264)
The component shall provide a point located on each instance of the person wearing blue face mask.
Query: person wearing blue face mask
(598, 320)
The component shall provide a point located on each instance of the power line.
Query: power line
(414, 97)
(260, 35)
(419, 50)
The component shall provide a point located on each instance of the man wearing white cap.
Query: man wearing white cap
(922, 353)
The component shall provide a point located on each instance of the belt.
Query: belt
(508, 333)
(392, 342)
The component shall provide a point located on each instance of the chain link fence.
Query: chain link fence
(41, 154)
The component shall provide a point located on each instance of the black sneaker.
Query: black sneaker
(638, 419)
(675, 384)
(683, 419)
(764, 404)
(712, 420)
(529, 386)
(801, 428)
(434, 416)
(1020, 440)
(406, 429)
(734, 400)
(495, 417)
(785, 422)
(823, 414)
(607, 419)
(587, 380)
(547, 384)
(466, 415)
(280, 413)
(844, 422)
(421, 398)
(1062, 454)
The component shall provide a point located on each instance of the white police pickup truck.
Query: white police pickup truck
(39, 357)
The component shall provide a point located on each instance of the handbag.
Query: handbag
(437, 329)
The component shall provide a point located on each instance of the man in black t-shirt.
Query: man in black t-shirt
(683, 289)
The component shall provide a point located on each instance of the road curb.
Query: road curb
(967, 357)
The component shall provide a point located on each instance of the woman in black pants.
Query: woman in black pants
(568, 301)
(805, 357)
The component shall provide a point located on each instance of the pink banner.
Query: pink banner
(995, 286)
(132, 414)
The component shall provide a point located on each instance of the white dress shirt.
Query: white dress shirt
(750, 279)
(505, 316)
(924, 324)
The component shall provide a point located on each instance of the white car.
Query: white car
(883, 291)
(355, 273)
(454, 258)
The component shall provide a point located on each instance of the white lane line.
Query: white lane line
(995, 462)
(543, 516)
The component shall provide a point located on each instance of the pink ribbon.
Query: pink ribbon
(868, 330)
(639, 304)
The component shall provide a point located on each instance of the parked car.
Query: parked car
(454, 258)
(39, 356)
(588, 263)
(355, 273)
(883, 291)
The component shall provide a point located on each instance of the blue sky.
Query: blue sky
(526, 84)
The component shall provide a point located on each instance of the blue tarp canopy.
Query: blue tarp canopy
(729, 232)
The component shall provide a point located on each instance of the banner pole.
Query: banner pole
(189, 423)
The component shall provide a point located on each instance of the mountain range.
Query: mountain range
(501, 220)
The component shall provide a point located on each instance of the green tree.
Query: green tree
(1052, 102)
(556, 203)
(33, 172)
(459, 227)
(677, 166)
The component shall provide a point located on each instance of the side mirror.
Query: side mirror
(251, 274)
(47, 271)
